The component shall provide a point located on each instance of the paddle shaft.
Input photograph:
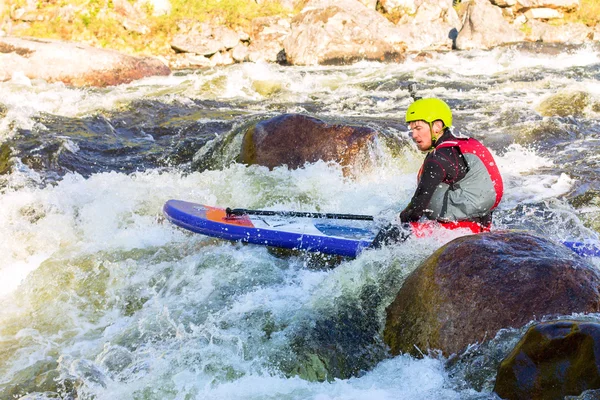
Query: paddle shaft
(243, 211)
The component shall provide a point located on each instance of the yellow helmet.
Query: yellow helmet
(429, 110)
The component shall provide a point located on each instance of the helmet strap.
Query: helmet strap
(434, 138)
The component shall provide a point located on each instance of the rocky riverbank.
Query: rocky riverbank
(322, 32)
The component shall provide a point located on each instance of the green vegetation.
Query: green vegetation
(588, 13)
(395, 15)
(97, 22)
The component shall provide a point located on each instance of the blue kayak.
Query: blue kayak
(338, 237)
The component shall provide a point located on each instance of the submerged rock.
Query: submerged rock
(565, 104)
(337, 344)
(554, 359)
(41, 376)
(74, 64)
(294, 140)
(475, 285)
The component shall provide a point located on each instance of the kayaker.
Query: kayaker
(459, 183)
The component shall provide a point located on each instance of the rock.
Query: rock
(127, 10)
(338, 345)
(264, 51)
(41, 396)
(114, 359)
(405, 6)
(370, 4)
(267, 87)
(569, 33)
(72, 63)
(41, 376)
(562, 5)
(478, 284)
(543, 13)
(135, 26)
(209, 41)
(29, 13)
(66, 13)
(240, 53)
(294, 140)
(554, 359)
(434, 25)
(222, 58)
(189, 60)
(504, 3)
(266, 39)
(341, 31)
(563, 104)
(485, 27)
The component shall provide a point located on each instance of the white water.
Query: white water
(132, 307)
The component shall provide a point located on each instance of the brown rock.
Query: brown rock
(475, 285)
(72, 63)
(294, 139)
(554, 359)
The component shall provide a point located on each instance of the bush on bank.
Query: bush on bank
(99, 23)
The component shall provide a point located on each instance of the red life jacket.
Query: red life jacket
(427, 228)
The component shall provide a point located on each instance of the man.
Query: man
(459, 183)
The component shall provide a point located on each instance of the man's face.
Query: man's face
(421, 134)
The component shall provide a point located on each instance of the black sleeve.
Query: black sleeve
(433, 174)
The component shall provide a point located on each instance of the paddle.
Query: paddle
(412, 90)
(243, 211)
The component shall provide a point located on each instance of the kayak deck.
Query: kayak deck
(343, 238)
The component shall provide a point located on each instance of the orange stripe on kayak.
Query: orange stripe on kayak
(218, 215)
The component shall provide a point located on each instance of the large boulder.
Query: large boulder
(476, 285)
(571, 33)
(73, 63)
(341, 31)
(553, 360)
(484, 27)
(266, 39)
(295, 139)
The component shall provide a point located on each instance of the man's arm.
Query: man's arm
(433, 174)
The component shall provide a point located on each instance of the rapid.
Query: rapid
(102, 298)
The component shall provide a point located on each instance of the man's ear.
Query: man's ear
(438, 125)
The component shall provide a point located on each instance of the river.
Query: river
(102, 298)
